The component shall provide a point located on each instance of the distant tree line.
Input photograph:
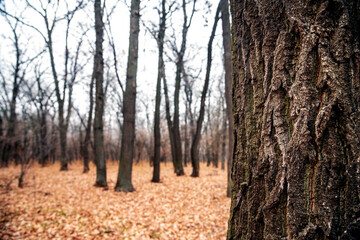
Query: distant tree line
(41, 121)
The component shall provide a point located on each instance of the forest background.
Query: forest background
(77, 66)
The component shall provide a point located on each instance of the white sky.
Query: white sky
(147, 64)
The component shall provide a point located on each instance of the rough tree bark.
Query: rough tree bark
(196, 140)
(225, 19)
(99, 99)
(124, 183)
(296, 108)
(157, 136)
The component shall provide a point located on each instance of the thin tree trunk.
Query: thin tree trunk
(87, 138)
(186, 137)
(157, 136)
(223, 152)
(124, 183)
(44, 156)
(99, 100)
(216, 147)
(296, 100)
(209, 135)
(62, 126)
(42, 114)
(53, 140)
(189, 94)
(60, 101)
(168, 120)
(179, 68)
(224, 128)
(197, 136)
(225, 19)
(176, 124)
(24, 159)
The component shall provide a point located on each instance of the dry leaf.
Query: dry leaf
(65, 205)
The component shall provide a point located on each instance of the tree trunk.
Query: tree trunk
(157, 136)
(186, 137)
(228, 84)
(179, 170)
(223, 130)
(209, 135)
(63, 144)
(124, 183)
(87, 138)
(53, 140)
(176, 123)
(60, 102)
(42, 114)
(223, 141)
(296, 120)
(44, 155)
(189, 116)
(99, 99)
(168, 121)
(216, 148)
(197, 136)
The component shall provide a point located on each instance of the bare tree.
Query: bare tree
(40, 96)
(8, 107)
(168, 119)
(180, 53)
(87, 138)
(197, 136)
(124, 183)
(67, 88)
(157, 136)
(189, 112)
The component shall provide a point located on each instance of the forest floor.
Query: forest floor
(65, 205)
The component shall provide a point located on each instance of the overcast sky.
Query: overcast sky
(119, 22)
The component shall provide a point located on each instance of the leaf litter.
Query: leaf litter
(66, 205)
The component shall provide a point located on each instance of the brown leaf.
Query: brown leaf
(65, 205)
